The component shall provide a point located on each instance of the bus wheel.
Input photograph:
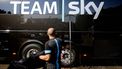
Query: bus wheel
(30, 49)
(68, 57)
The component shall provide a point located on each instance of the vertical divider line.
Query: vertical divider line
(62, 10)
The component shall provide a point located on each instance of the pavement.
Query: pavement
(4, 66)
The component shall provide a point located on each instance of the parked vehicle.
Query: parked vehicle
(19, 39)
(93, 42)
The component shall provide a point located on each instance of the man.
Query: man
(52, 50)
(51, 55)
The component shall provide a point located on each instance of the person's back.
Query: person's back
(55, 46)
(52, 50)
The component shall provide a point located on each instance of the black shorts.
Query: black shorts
(50, 66)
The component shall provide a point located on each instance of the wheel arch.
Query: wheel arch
(75, 49)
(30, 41)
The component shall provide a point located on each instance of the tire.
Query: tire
(30, 49)
(68, 57)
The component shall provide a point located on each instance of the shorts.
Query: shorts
(50, 66)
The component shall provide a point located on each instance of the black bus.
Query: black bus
(93, 42)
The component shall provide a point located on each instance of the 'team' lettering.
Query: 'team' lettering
(36, 7)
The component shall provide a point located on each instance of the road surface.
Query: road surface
(4, 66)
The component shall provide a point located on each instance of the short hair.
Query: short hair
(51, 31)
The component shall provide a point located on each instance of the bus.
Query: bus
(85, 41)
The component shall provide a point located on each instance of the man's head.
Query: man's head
(51, 32)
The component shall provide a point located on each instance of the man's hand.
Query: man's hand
(45, 57)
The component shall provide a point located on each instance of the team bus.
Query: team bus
(88, 42)
(22, 35)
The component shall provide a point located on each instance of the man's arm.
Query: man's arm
(45, 57)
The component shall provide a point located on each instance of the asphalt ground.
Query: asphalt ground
(4, 66)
